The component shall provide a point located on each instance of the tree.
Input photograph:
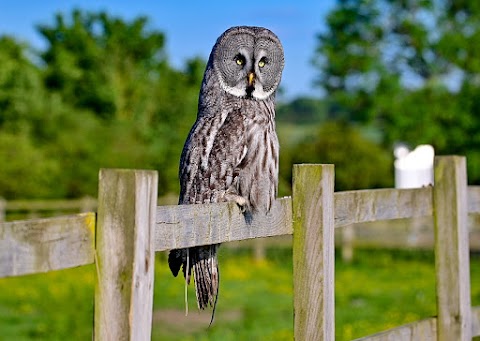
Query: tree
(409, 68)
(348, 61)
(301, 110)
(103, 96)
(18, 77)
(102, 63)
(359, 162)
(118, 71)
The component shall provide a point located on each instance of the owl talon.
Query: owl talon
(239, 200)
(242, 204)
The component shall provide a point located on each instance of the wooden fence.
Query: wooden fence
(128, 228)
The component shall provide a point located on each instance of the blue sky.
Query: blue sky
(192, 27)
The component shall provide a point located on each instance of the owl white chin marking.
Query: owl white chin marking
(258, 93)
(234, 91)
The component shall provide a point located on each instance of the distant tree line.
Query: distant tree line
(408, 69)
(104, 94)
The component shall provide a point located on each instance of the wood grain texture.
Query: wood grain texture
(187, 225)
(125, 254)
(424, 330)
(41, 245)
(313, 252)
(452, 249)
(362, 206)
(190, 225)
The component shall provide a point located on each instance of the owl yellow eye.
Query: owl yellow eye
(239, 59)
(262, 62)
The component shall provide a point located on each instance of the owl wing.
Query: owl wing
(210, 160)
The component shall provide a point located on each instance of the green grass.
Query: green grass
(382, 289)
(379, 290)
(53, 306)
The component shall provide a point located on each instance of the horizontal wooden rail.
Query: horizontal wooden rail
(41, 245)
(190, 225)
(352, 207)
(25, 244)
(425, 330)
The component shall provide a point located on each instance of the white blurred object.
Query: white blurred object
(414, 168)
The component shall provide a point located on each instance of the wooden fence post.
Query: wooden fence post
(125, 258)
(313, 252)
(452, 249)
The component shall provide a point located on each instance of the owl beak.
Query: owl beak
(251, 78)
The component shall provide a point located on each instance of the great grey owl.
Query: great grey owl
(231, 152)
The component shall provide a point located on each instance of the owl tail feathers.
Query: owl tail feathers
(177, 258)
(205, 268)
(204, 262)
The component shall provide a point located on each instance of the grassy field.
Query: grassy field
(379, 290)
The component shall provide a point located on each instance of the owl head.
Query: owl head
(248, 62)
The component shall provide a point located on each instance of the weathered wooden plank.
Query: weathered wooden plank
(41, 245)
(125, 254)
(313, 252)
(186, 225)
(189, 225)
(452, 249)
(352, 207)
(424, 330)
(475, 321)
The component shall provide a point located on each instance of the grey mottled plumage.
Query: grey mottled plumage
(231, 153)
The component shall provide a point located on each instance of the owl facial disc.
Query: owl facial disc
(248, 62)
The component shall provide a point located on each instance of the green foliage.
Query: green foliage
(379, 290)
(102, 63)
(118, 71)
(104, 96)
(348, 59)
(359, 162)
(23, 161)
(409, 69)
(301, 111)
